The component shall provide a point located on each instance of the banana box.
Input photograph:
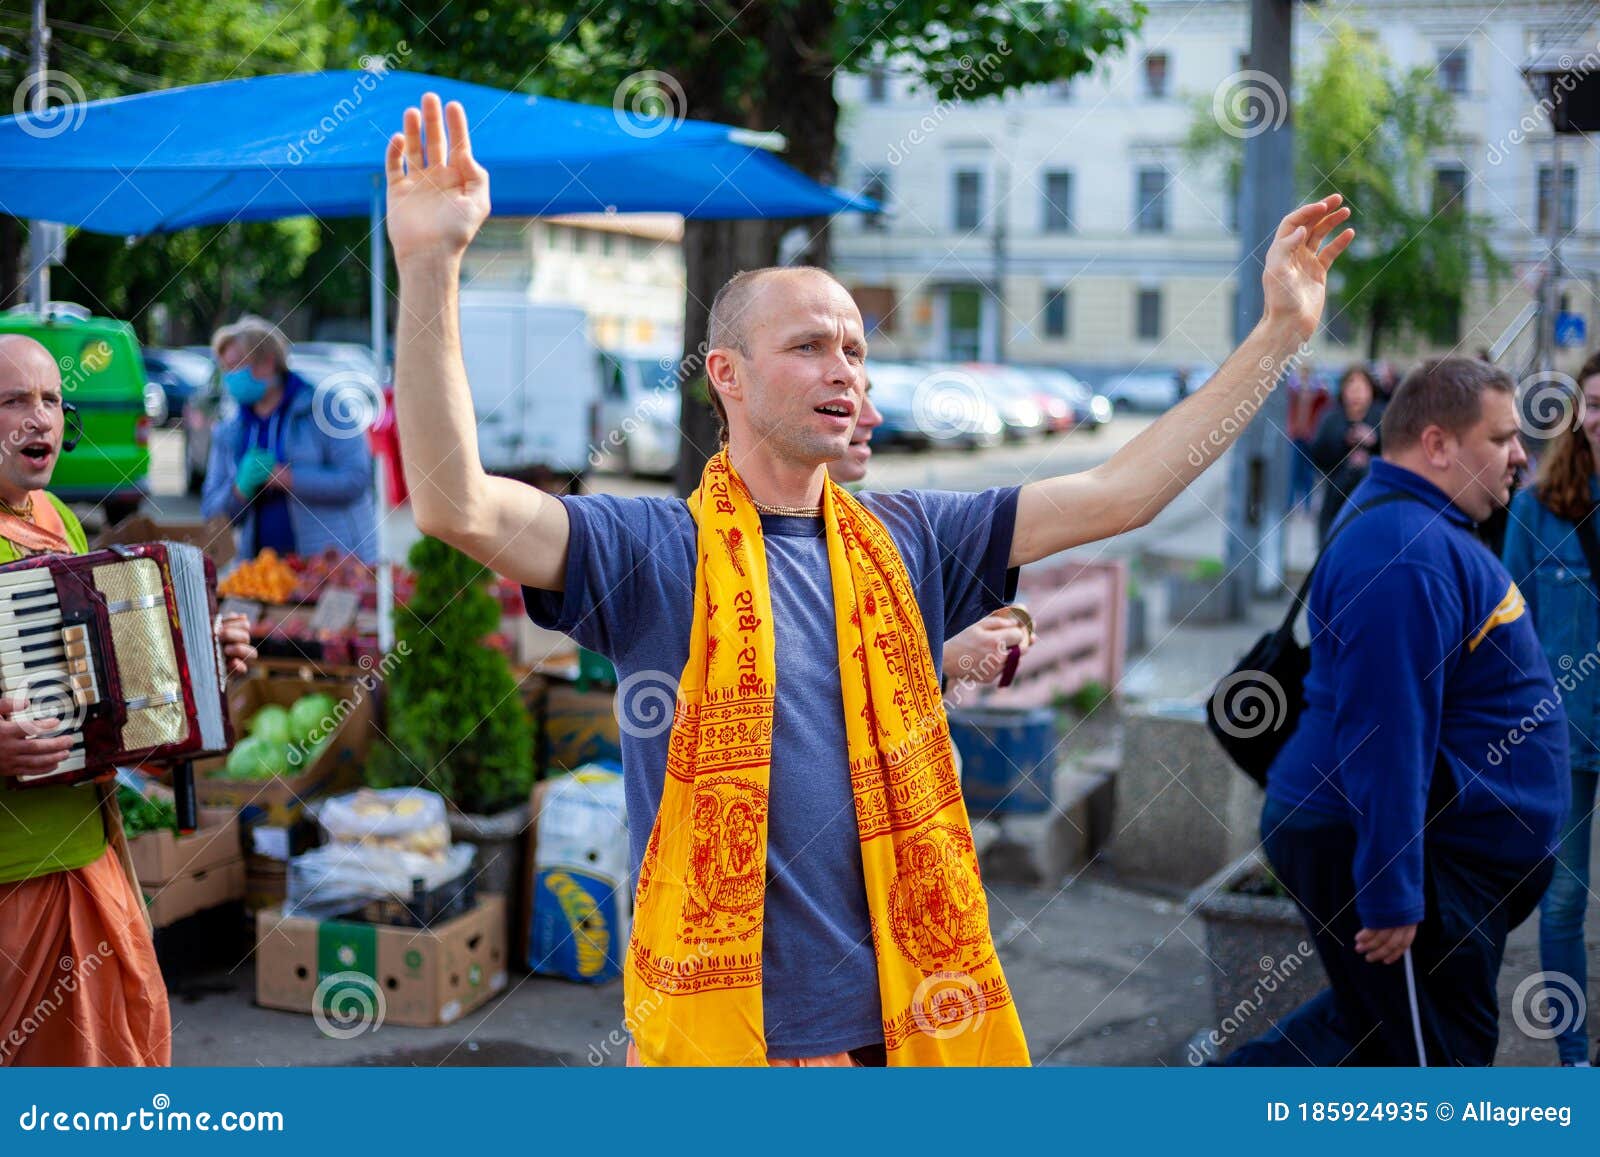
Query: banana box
(582, 899)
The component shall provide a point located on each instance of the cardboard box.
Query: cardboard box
(162, 856)
(580, 727)
(282, 799)
(422, 977)
(195, 892)
(214, 536)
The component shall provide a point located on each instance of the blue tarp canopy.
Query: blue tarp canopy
(266, 147)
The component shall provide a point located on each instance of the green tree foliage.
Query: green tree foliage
(208, 275)
(1371, 132)
(457, 724)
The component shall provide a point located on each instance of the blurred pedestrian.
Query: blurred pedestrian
(1345, 444)
(1552, 551)
(1308, 401)
(1414, 812)
(283, 469)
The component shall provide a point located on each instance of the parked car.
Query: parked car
(354, 354)
(178, 373)
(102, 375)
(639, 411)
(1152, 389)
(934, 404)
(1014, 397)
(1090, 410)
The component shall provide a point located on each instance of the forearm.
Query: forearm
(433, 404)
(1175, 449)
(1137, 483)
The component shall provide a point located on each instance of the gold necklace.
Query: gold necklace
(24, 511)
(788, 511)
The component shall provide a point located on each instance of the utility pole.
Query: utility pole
(1258, 477)
(39, 232)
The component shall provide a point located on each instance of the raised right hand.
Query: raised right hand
(438, 195)
(26, 746)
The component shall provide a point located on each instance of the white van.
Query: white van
(535, 379)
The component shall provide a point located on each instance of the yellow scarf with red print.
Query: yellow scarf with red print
(692, 987)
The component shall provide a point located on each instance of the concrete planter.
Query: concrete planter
(1198, 602)
(1268, 966)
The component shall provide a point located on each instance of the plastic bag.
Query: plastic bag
(337, 878)
(403, 819)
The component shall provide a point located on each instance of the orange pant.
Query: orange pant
(79, 983)
(831, 1061)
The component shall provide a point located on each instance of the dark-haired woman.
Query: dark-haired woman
(1545, 554)
(1345, 445)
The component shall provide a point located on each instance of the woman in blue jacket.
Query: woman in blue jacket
(1547, 560)
(289, 468)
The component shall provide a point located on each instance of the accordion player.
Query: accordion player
(117, 646)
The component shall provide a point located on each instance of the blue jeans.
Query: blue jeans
(1561, 947)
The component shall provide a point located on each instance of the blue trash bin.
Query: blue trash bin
(1008, 758)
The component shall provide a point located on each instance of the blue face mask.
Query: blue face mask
(243, 386)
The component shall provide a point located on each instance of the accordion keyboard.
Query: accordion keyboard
(44, 660)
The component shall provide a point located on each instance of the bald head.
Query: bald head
(25, 364)
(736, 309)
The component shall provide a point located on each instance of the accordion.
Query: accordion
(119, 646)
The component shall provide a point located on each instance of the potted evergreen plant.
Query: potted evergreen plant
(457, 723)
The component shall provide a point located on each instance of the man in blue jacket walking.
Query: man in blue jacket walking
(1414, 812)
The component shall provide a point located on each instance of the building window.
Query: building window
(1148, 308)
(877, 84)
(1055, 313)
(608, 244)
(1058, 202)
(1155, 74)
(875, 185)
(968, 193)
(1449, 189)
(1150, 200)
(1569, 198)
(1452, 72)
(552, 237)
(877, 306)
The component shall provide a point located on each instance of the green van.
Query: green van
(102, 373)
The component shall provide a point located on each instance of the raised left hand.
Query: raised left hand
(1295, 279)
(233, 632)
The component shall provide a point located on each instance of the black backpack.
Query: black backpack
(1256, 707)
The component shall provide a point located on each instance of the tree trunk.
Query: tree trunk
(798, 43)
(10, 261)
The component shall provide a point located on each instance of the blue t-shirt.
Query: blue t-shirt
(629, 595)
